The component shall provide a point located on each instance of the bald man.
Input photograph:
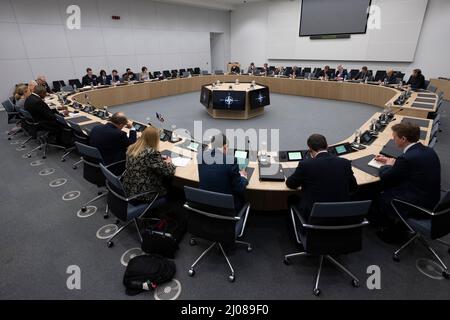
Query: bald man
(110, 140)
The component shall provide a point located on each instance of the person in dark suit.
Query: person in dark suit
(110, 140)
(326, 73)
(89, 79)
(341, 73)
(296, 72)
(219, 172)
(113, 77)
(235, 69)
(42, 113)
(322, 178)
(129, 75)
(417, 80)
(363, 74)
(103, 78)
(42, 81)
(391, 77)
(414, 177)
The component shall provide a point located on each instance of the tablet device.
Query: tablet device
(139, 127)
(294, 156)
(241, 154)
(193, 146)
(341, 149)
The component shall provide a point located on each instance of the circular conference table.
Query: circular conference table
(264, 195)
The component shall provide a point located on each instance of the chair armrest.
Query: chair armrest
(246, 209)
(343, 227)
(211, 215)
(143, 194)
(114, 163)
(299, 216)
(411, 206)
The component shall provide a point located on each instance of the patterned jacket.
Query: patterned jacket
(147, 172)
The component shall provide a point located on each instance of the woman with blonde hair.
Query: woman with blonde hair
(146, 170)
(20, 96)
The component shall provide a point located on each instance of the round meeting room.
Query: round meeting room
(224, 150)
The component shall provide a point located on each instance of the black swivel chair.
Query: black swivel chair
(380, 75)
(353, 73)
(31, 129)
(174, 73)
(125, 208)
(431, 88)
(69, 134)
(75, 82)
(432, 224)
(167, 74)
(212, 216)
(218, 72)
(79, 136)
(182, 71)
(197, 70)
(333, 228)
(92, 173)
(13, 116)
(305, 71)
(156, 74)
(190, 70)
(58, 85)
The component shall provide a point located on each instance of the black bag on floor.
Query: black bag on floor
(163, 237)
(146, 272)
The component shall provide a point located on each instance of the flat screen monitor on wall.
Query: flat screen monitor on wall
(331, 17)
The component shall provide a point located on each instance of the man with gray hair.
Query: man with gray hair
(218, 171)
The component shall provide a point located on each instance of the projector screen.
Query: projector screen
(330, 17)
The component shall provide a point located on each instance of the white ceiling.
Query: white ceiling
(215, 4)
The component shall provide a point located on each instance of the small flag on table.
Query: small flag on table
(159, 117)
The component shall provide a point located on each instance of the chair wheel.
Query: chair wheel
(117, 221)
(28, 155)
(105, 216)
(448, 250)
(192, 242)
(317, 292)
(395, 258)
(109, 244)
(286, 261)
(9, 138)
(99, 193)
(231, 278)
(249, 249)
(74, 167)
(445, 274)
(63, 160)
(44, 157)
(191, 272)
(83, 209)
(355, 283)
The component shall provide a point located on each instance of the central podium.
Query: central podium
(235, 100)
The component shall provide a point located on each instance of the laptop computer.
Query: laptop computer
(271, 172)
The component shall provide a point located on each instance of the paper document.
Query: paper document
(375, 164)
(180, 161)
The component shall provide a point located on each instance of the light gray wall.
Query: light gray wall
(251, 31)
(35, 40)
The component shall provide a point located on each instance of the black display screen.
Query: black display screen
(205, 96)
(229, 100)
(259, 98)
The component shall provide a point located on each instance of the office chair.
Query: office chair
(333, 228)
(31, 128)
(432, 143)
(92, 172)
(205, 72)
(197, 70)
(167, 74)
(156, 74)
(190, 70)
(212, 217)
(125, 208)
(58, 85)
(427, 83)
(66, 127)
(431, 88)
(75, 82)
(13, 116)
(433, 224)
(218, 72)
(182, 71)
(380, 75)
(81, 137)
(353, 73)
(305, 71)
(174, 73)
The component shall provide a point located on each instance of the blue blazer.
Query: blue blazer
(415, 177)
(220, 173)
(109, 79)
(111, 142)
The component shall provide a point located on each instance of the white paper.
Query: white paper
(180, 161)
(375, 164)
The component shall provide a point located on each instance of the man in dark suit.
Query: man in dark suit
(90, 79)
(219, 172)
(363, 74)
(417, 80)
(110, 140)
(391, 77)
(113, 77)
(41, 112)
(326, 73)
(42, 81)
(414, 177)
(323, 177)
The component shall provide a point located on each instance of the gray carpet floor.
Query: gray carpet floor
(41, 235)
(295, 117)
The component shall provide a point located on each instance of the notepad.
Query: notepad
(180, 161)
(375, 164)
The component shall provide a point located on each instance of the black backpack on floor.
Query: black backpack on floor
(164, 236)
(146, 272)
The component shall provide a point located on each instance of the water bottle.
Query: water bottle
(75, 87)
(263, 153)
(174, 135)
(366, 80)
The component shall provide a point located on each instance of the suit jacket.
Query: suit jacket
(324, 179)
(103, 81)
(220, 173)
(392, 79)
(415, 177)
(109, 79)
(88, 81)
(341, 75)
(417, 82)
(362, 75)
(39, 110)
(111, 142)
(330, 74)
